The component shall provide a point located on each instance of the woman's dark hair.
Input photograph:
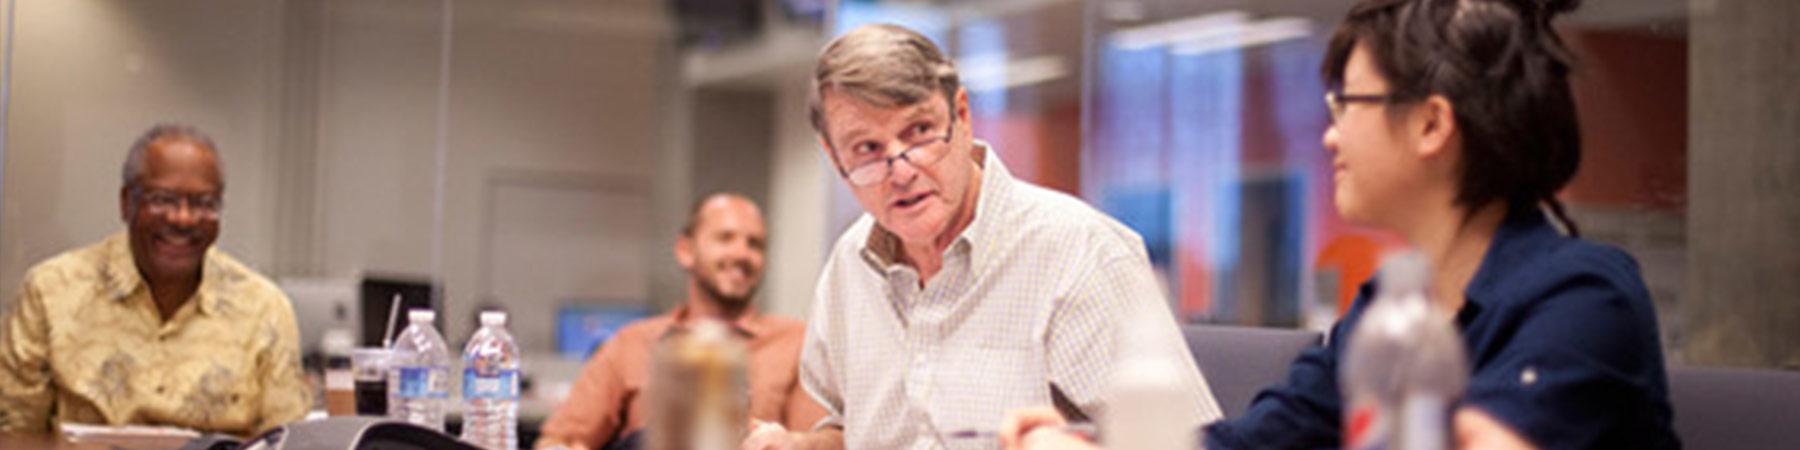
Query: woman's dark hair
(1504, 70)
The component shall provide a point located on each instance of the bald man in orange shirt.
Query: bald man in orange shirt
(722, 248)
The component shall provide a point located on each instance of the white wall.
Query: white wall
(378, 102)
(558, 88)
(89, 76)
(807, 205)
(799, 183)
(543, 103)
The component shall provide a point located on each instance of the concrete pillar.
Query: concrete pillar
(1742, 305)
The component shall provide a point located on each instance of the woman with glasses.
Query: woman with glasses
(1454, 127)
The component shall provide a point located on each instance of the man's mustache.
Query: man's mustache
(741, 264)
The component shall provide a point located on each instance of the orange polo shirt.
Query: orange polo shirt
(607, 401)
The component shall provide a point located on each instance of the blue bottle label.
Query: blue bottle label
(422, 382)
(502, 384)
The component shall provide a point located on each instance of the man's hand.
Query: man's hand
(767, 436)
(1038, 429)
(772, 436)
(557, 444)
(1476, 430)
(1021, 422)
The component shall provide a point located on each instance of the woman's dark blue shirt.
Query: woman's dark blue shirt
(1562, 340)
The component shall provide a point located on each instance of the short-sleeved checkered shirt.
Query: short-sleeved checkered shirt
(1030, 296)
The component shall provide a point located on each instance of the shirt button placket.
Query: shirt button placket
(918, 373)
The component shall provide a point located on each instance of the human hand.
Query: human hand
(767, 436)
(559, 443)
(1038, 428)
(1021, 422)
(1476, 430)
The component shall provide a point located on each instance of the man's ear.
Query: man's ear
(1436, 126)
(832, 156)
(684, 251)
(961, 107)
(127, 207)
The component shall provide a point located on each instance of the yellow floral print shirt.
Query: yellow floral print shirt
(83, 343)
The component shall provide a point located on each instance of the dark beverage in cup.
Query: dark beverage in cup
(371, 398)
(370, 370)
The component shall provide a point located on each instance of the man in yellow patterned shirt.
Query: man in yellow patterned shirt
(153, 325)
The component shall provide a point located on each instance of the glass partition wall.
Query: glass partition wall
(1204, 122)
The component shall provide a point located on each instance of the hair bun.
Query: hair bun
(1554, 7)
(1544, 10)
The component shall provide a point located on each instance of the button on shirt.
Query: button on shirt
(1562, 340)
(1029, 296)
(83, 342)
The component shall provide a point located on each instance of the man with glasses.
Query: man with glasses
(962, 292)
(153, 325)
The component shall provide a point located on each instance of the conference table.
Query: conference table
(53, 441)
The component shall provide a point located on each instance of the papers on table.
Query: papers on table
(133, 436)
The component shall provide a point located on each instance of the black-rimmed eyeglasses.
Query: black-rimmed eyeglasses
(873, 169)
(160, 202)
(1336, 100)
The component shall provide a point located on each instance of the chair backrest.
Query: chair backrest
(1715, 408)
(1735, 408)
(1240, 361)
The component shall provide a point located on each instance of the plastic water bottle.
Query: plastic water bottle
(1146, 411)
(491, 386)
(419, 373)
(1405, 367)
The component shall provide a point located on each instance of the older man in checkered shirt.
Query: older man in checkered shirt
(962, 292)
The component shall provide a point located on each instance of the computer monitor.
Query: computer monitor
(377, 294)
(581, 329)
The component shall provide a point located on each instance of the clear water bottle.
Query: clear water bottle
(419, 373)
(491, 386)
(1405, 366)
(1145, 411)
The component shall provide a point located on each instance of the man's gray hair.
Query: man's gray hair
(135, 161)
(884, 66)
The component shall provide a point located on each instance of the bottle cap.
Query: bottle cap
(420, 315)
(493, 318)
(1405, 272)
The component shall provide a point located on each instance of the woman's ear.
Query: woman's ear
(1434, 125)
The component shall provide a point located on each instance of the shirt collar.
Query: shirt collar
(747, 324)
(122, 278)
(882, 249)
(1521, 237)
(1523, 234)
